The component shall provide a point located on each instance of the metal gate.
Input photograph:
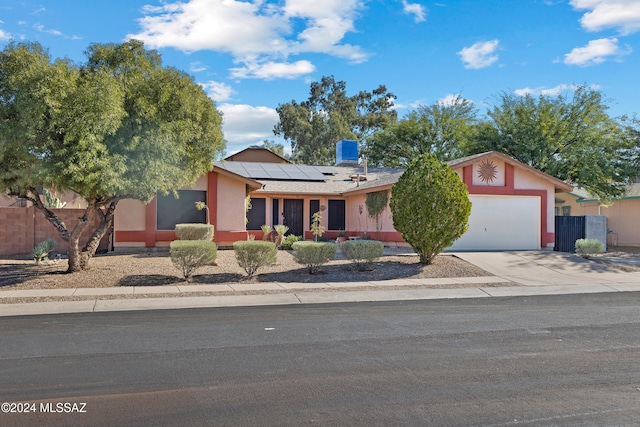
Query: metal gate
(568, 230)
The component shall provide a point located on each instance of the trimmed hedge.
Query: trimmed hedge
(313, 254)
(254, 254)
(194, 231)
(189, 255)
(362, 252)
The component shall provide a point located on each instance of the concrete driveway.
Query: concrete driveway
(548, 268)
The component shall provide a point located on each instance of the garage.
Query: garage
(501, 223)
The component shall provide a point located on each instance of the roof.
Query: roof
(560, 186)
(307, 179)
(261, 151)
(632, 191)
(279, 178)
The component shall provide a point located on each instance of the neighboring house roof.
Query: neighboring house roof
(256, 153)
(342, 180)
(632, 191)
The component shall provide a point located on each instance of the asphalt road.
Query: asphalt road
(553, 360)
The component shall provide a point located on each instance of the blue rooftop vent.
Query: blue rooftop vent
(346, 152)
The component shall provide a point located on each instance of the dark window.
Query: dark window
(556, 211)
(314, 206)
(257, 214)
(336, 214)
(172, 211)
(566, 211)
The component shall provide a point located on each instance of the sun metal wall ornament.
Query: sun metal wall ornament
(487, 171)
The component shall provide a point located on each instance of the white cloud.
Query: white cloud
(452, 99)
(197, 67)
(479, 55)
(418, 10)
(621, 14)
(553, 91)
(42, 29)
(245, 124)
(272, 70)
(259, 35)
(596, 52)
(217, 91)
(4, 35)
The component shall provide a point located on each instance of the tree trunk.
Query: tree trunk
(79, 258)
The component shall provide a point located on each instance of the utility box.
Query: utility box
(346, 152)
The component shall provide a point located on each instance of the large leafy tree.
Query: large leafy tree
(443, 129)
(314, 126)
(119, 126)
(572, 138)
(430, 206)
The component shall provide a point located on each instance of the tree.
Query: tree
(573, 139)
(443, 129)
(119, 126)
(430, 206)
(314, 126)
(274, 147)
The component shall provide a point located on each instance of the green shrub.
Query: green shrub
(266, 232)
(254, 254)
(430, 206)
(280, 230)
(362, 252)
(588, 247)
(43, 249)
(194, 231)
(287, 243)
(189, 255)
(313, 254)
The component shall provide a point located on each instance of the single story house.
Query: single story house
(512, 203)
(622, 214)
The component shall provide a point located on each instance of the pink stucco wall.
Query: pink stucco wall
(623, 217)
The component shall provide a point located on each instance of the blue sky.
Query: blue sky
(255, 54)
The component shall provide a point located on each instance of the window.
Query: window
(172, 211)
(566, 211)
(314, 206)
(336, 214)
(257, 214)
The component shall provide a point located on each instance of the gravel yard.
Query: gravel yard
(149, 268)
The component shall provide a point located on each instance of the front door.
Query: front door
(293, 210)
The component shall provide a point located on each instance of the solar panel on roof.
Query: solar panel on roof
(275, 171)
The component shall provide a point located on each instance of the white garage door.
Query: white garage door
(501, 223)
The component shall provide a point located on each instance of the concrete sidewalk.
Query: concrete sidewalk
(513, 274)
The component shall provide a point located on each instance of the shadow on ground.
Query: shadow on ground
(149, 280)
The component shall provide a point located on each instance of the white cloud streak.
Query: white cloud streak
(418, 11)
(552, 91)
(273, 70)
(480, 54)
(596, 52)
(623, 15)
